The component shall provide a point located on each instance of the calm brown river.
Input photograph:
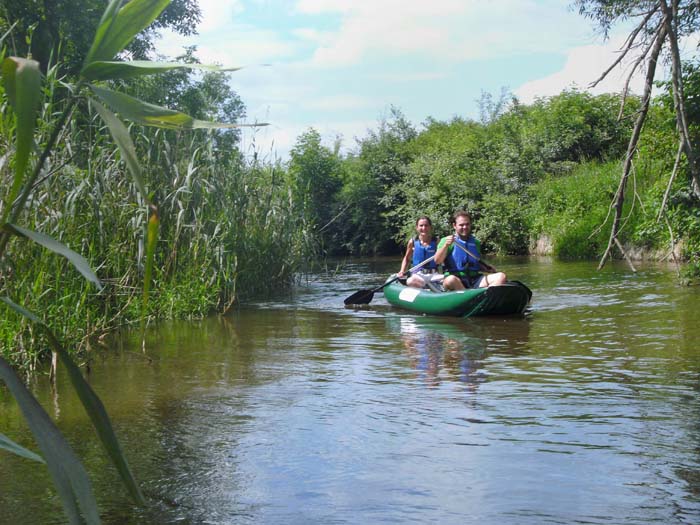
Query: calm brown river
(299, 410)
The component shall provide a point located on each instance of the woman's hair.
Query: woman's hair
(424, 217)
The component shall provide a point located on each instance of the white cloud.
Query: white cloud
(277, 140)
(217, 14)
(584, 65)
(314, 35)
(340, 102)
(230, 47)
(411, 76)
(447, 30)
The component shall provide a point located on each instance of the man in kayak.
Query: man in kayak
(420, 248)
(461, 255)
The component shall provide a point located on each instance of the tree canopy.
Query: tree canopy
(62, 30)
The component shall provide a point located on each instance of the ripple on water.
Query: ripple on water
(300, 410)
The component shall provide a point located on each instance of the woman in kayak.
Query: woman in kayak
(423, 246)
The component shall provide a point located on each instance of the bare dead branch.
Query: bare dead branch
(635, 198)
(626, 47)
(634, 139)
(624, 254)
(673, 247)
(679, 98)
(633, 70)
(597, 230)
(336, 217)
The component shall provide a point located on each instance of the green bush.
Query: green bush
(572, 210)
(500, 225)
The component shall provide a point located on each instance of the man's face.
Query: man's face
(463, 226)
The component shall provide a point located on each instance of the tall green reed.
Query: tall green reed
(67, 193)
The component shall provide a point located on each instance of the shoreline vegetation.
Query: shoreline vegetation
(233, 230)
(537, 178)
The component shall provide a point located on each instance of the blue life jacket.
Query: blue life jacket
(421, 253)
(458, 262)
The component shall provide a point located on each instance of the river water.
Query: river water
(300, 410)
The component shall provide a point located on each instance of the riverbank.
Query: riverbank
(544, 246)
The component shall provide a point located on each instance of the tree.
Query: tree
(491, 107)
(661, 25)
(63, 29)
(384, 154)
(206, 97)
(315, 174)
(556, 133)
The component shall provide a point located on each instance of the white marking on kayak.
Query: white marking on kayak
(409, 294)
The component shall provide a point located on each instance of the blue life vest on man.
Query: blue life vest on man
(421, 253)
(458, 262)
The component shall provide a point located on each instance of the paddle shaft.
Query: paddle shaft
(365, 296)
(487, 266)
(416, 267)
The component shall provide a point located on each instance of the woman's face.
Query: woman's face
(423, 226)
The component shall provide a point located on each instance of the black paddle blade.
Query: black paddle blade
(360, 297)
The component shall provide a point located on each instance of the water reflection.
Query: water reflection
(301, 411)
(449, 349)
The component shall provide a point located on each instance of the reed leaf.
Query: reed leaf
(52, 244)
(22, 82)
(151, 241)
(121, 136)
(120, 23)
(11, 28)
(148, 114)
(9, 445)
(107, 70)
(91, 402)
(69, 475)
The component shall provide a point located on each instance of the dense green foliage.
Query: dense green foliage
(229, 229)
(541, 172)
(62, 31)
(218, 215)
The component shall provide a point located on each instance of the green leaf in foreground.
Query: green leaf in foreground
(120, 23)
(22, 82)
(92, 403)
(121, 136)
(69, 475)
(147, 114)
(106, 70)
(52, 244)
(9, 445)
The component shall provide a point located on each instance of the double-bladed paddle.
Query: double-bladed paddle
(490, 268)
(365, 296)
(486, 266)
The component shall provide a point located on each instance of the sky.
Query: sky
(338, 66)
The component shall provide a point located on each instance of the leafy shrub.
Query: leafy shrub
(501, 224)
(571, 210)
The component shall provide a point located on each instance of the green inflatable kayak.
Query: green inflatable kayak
(509, 298)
